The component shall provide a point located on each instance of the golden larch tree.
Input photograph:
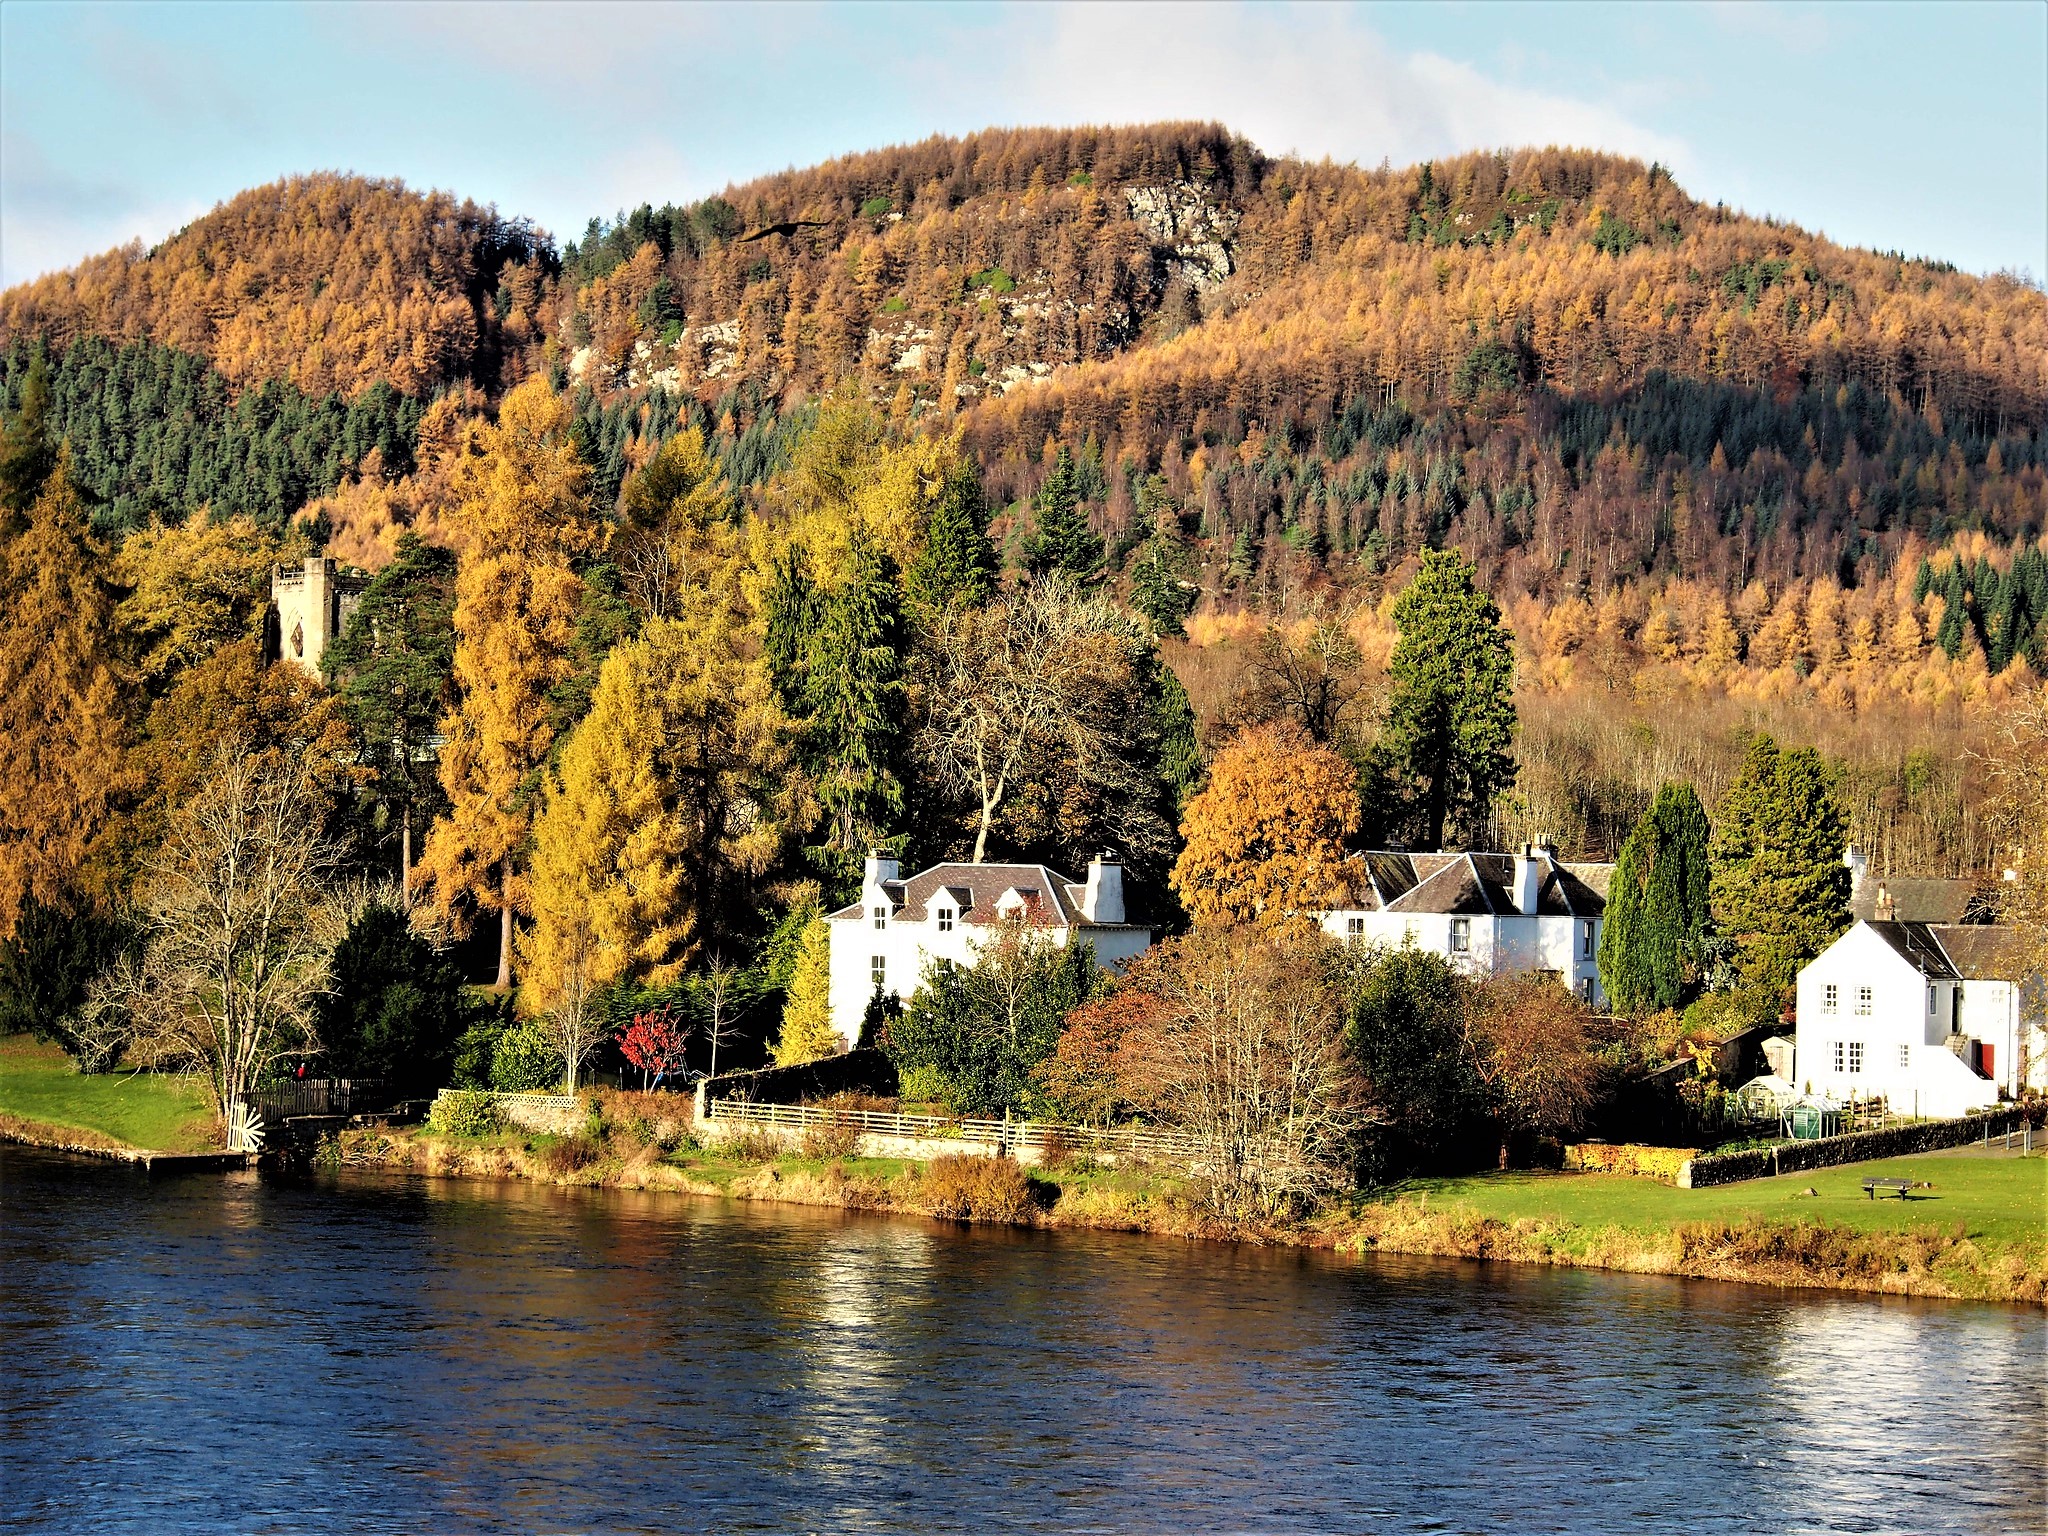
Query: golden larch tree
(526, 516)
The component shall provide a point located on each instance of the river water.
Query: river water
(384, 1353)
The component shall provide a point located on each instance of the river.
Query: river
(388, 1353)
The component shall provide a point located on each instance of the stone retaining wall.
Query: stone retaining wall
(1857, 1147)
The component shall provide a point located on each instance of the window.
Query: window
(1905, 1055)
(1863, 1002)
(1461, 935)
(1586, 941)
(878, 968)
(1930, 1002)
(1838, 1056)
(1354, 930)
(1855, 1055)
(945, 915)
(881, 917)
(1831, 998)
(1586, 990)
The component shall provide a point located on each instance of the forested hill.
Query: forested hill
(1270, 374)
(331, 283)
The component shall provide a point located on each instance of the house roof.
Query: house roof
(1919, 899)
(1917, 945)
(973, 890)
(1479, 884)
(1981, 952)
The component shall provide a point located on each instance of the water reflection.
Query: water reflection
(383, 1353)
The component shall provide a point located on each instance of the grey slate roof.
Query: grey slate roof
(1918, 899)
(1475, 884)
(974, 890)
(1982, 952)
(1917, 945)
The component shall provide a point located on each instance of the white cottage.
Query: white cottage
(1934, 1018)
(884, 941)
(1487, 913)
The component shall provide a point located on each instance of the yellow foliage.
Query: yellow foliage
(807, 1032)
(194, 586)
(1265, 838)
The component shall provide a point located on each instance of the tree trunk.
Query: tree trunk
(504, 981)
(405, 856)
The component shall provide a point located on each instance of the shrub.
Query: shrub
(966, 1188)
(396, 1010)
(754, 1146)
(835, 1139)
(522, 1061)
(924, 1084)
(567, 1155)
(464, 1112)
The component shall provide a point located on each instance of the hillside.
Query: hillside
(331, 283)
(1273, 376)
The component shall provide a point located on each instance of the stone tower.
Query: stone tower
(312, 606)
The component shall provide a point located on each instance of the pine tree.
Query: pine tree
(1064, 542)
(62, 722)
(516, 603)
(28, 447)
(1780, 891)
(1160, 589)
(392, 670)
(853, 702)
(1657, 905)
(1451, 719)
(956, 566)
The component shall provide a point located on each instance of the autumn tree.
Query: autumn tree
(1527, 1042)
(675, 521)
(1451, 711)
(62, 712)
(1780, 889)
(1265, 838)
(192, 587)
(516, 601)
(392, 672)
(1653, 940)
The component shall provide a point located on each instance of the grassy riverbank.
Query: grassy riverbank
(43, 1100)
(1980, 1232)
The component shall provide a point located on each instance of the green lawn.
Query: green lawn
(2003, 1199)
(164, 1114)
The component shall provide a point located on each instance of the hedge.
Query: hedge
(1857, 1147)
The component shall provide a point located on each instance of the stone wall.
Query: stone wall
(1857, 1147)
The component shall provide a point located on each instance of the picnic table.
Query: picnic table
(1897, 1186)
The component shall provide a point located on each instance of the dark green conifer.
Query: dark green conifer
(1658, 905)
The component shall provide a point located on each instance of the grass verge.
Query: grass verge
(39, 1089)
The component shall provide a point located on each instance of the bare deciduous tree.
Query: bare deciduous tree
(241, 928)
(1037, 673)
(1242, 1044)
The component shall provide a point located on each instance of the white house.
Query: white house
(1486, 913)
(884, 941)
(1934, 1018)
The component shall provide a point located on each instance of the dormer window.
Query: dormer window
(945, 919)
(881, 917)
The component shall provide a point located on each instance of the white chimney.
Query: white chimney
(1857, 865)
(1528, 879)
(880, 867)
(1102, 899)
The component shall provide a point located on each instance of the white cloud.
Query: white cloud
(1311, 80)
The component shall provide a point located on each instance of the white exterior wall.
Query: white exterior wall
(1904, 1052)
(907, 948)
(1991, 1013)
(1499, 945)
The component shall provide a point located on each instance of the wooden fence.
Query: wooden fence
(1007, 1134)
(319, 1096)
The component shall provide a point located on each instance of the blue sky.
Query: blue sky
(1920, 128)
